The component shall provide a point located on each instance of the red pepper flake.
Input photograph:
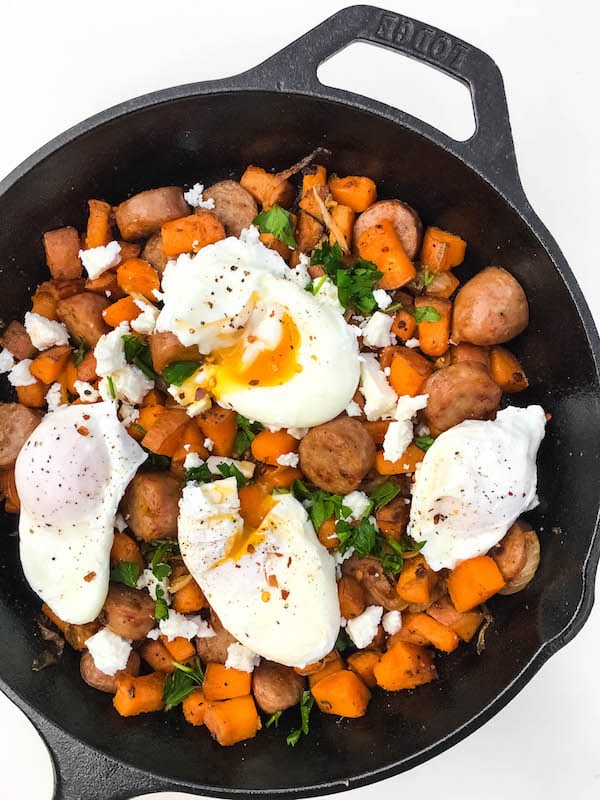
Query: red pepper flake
(89, 577)
(82, 430)
(251, 549)
(272, 580)
(284, 594)
(86, 416)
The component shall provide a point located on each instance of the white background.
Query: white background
(63, 61)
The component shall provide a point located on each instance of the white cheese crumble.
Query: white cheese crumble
(178, 625)
(297, 433)
(130, 384)
(288, 460)
(146, 321)
(192, 460)
(380, 398)
(377, 331)
(193, 197)
(392, 622)
(358, 503)
(353, 409)
(148, 580)
(209, 444)
(109, 352)
(20, 374)
(382, 298)
(54, 397)
(97, 260)
(128, 414)
(7, 361)
(363, 629)
(412, 343)
(158, 295)
(245, 467)
(325, 291)
(241, 658)
(109, 651)
(120, 523)
(86, 392)
(45, 333)
(400, 432)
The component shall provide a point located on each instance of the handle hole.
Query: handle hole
(402, 82)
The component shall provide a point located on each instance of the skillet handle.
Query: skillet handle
(490, 151)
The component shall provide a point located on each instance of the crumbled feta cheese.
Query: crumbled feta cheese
(245, 467)
(387, 371)
(120, 523)
(109, 651)
(288, 460)
(45, 333)
(363, 629)
(194, 407)
(209, 444)
(20, 374)
(97, 260)
(353, 409)
(326, 293)
(412, 343)
(380, 398)
(54, 397)
(392, 622)
(128, 414)
(158, 295)
(192, 460)
(400, 432)
(356, 330)
(358, 503)
(148, 580)
(299, 274)
(178, 625)
(7, 361)
(377, 331)
(86, 392)
(339, 558)
(297, 433)
(382, 298)
(109, 352)
(154, 634)
(130, 384)
(241, 657)
(194, 198)
(146, 321)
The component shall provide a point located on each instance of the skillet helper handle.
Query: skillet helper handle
(489, 151)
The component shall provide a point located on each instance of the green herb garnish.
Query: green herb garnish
(231, 471)
(246, 431)
(137, 352)
(384, 494)
(424, 442)
(162, 550)
(426, 314)
(79, 354)
(314, 288)
(273, 719)
(177, 372)
(111, 387)
(354, 282)
(306, 705)
(362, 537)
(181, 683)
(323, 505)
(156, 462)
(126, 572)
(161, 609)
(427, 277)
(277, 221)
(343, 641)
(201, 474)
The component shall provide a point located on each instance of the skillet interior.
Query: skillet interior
(214, 136)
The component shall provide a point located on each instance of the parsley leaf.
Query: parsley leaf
(277, 221)
(384, 494)
(354, 282)
(231, 471)
(315, 288)
(246, 431)
(156, 461)
(362, 537)
(306, 704)
(201, 474)
(426, 314)
(322, 504)
(137, 352)
(177, 372)
(427, 277)
(343, 641)
(161, 609)
(181, 683)
(111, 387)
(126, 572)
(424, 442)
(79, 354)
(330, 257)
(164, 548)
(273, 719)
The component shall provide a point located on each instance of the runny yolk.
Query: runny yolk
(255, 504)
(270, 367)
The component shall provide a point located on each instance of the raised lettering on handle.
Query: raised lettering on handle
(423, 41)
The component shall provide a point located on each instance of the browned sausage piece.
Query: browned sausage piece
(510, 554)
(144, 213)
(405, 220)
(234, 206)
(489, 309)
(165, 347)
(459, 392)
(128, 612)
(336, 456)
(17, 422)
(82, 314)
(378, 588)
(77, 635)
(62, 248)
(151, 505)
(100, 680)
(351, 596)
(276, 687)
(214, 648)
(17, 341)
(154, 253)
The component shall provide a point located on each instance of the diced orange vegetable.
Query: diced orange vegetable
(405, 666)
(124, 310)
(342, 693)
(136, 276)
(180, 649)
(192, 442)
(279, 477)
(474, 581)
(377, 429)
(506, 370)
(444, 284)
(190, 234)
(125, 548)
(408, 372)
(255, 504)
(440, 636)
(268, 446)
(442, 250)
(49, 364)
(222, 683)
(342, 218)
(106, 285)
(355, 191)
(363, 663)
(149, 415)
(267, 188)
(164, 436)
(416, 581)
(330, 666)
(219, 425)
(405, 465)
(464, 624)
(434, 337)
(327, 534)
(67, 377)
(316, 666)
(156, 655)
(139, 695)
(404, 325)
(62, 626)
(381, 245)
(44, 303)
(98, 231)
(194, 707)
(86, 371)
(232, 721)
(316, 178)
(153, 398)
(34, 395)
(189, 598)
(273, 243)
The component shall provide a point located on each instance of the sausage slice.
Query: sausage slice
(403, 217)
(128, 612)
(336, 456)
(82, 314)
(100, 680)
(276, 687)
(151, 505)
(17, 341)
(234, 206)
(17, 423)
(144, 213)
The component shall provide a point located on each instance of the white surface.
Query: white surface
(61, 62)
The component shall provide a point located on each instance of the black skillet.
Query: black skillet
(272, 115)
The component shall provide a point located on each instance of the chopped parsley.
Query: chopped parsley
(355, 282)
(111, 387)
(426, 314)
(323, 505)
(177, 372)
(231, 471)
(126, 572)
(137, 352)
(424, 442)
(277, 221)
(246, 431)
(156, 461)
(161, 609)
(181, 683)
(315, 288)
(384, 494)
(306, 704)
(202, 474)
(427, 277)
(343, 641)
(273, 719)
(163, 549)
(361, 536)
(79, 354)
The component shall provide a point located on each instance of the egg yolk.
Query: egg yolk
(271, 367)
(255, 504)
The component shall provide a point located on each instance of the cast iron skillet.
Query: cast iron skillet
(271, 116)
